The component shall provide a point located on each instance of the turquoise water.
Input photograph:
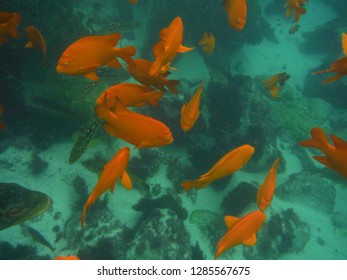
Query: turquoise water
(45, 113)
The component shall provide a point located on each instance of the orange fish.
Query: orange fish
(297, 7)
(241, 230)
(339, 66)
(8, 26)
(266, 190)
(207, 42)
(2, 125)
(70, 258)
(36, 40)
(113, 170)
(228, 164)
(272, 83)
(335, 155)
(140, 71)
(190, 112)
(85, 55)
(131, 95)
(168, 46)
(135, 128)
(237, 11)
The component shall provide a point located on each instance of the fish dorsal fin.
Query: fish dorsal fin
(183, 49)
(119, 106)
(338, 142)
(92, 76)
(344, 43)
(250, 241)
(158, 48)
(126, 181)
(164, 35)
(113, 38)
(230, 221)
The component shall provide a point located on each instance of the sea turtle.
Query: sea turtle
(18, 204)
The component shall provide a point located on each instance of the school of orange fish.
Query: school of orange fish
(84, 56)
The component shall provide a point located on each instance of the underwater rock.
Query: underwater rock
(177, 171)
(282, 233)
(20, 252)
(160, 236)
(167, 201)
(37, 164)
(293, 119)
(210, 224)
(239, 199)
(339, 220)
(309, 189)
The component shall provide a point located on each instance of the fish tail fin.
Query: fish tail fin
(344, 43)
(154, 98)
(102, 110)
(319, 140)
(332, 79)
(171, 84)
(322, 71)
(196, 184)
(126, 53)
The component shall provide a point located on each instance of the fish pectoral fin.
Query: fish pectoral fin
(183, 109)
(323, 160)
(332, 79)
(114, 63)
(126, 181)
(144, 144)
(230, 221)
(250, 241)
(183, 49)
(92, 76)
(29, 45)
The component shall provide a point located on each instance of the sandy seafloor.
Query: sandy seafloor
(56, 179)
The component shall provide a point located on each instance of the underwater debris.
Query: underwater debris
(36, 236)
(18, 204)
(83, 140)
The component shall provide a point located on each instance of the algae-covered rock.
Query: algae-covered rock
(160, 236)
(281, 233)
(295, 118)
(311, 190)
(210, 224)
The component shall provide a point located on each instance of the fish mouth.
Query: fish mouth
(43, 208)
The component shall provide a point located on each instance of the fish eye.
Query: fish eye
(66, 64)
(167, 139)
